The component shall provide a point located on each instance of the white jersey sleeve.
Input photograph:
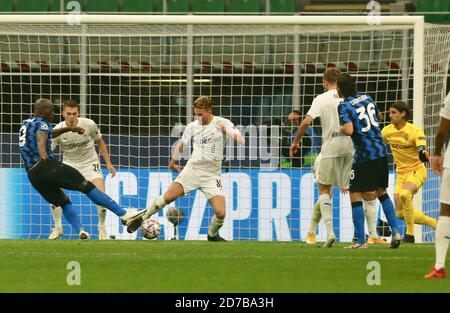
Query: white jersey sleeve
(445, 111)
(314, 110)
(187, 134)
(94, 130)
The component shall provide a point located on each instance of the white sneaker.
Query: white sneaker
(356, 245)
(56, 233)
(84, 235)
(130, 216)
(102, 235)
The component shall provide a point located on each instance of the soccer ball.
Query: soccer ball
(150, 229)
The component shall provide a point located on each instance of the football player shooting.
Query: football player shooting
(49, 176)
(202, 171)
(408, 145)
(79, 152)
(359, 119)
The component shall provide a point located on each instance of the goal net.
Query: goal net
(137, 80)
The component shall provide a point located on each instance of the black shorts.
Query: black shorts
(370, 175)
(49, 177)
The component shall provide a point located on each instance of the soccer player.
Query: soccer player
(359, 119)
(202, 171)
(370, 210)
(408, 145)
(49, 176)
(337, 149)
(443, 224)
(79, 152)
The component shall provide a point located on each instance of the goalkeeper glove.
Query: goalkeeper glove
(424, 156)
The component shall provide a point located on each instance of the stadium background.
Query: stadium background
(138, 120)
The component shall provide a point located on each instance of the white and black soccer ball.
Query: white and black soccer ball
(150, 229)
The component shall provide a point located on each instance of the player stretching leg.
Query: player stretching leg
(359, 119)
(336, 152)
(408, 145)
(49, 176)
(79, 152)
(202, 171)
(443, 224)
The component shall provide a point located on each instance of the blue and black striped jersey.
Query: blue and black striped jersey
(362, 112)
(27, 139)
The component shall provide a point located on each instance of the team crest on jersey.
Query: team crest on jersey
(406, 137)
(44, 127)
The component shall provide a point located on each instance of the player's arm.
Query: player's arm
(59, 131)
(421, 145)
(105, 153)
(441, 137)
(301, 130)
(41, 140)
(233, 133)
(347, 129)
(179, 148)
(345, 121)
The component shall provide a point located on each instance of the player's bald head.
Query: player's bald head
(43, 107)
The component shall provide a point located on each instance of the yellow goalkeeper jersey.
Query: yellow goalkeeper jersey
(404, 143)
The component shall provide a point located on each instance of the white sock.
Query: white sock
(156, 206)
(57, 213)
(316, 217)
(442, 240)
(371, 210)
(216, 224)
(101, 216)
(327, 213)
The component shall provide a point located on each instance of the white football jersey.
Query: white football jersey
(208, 143)
(78, 150)
(334, 143)
(445, 113)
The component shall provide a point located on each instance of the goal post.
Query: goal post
(136, 76)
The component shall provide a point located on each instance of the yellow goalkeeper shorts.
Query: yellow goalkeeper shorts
(417, 177)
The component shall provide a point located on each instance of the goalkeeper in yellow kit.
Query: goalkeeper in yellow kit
(408, 145)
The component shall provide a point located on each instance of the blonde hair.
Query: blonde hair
(331, 75)
(203, 102)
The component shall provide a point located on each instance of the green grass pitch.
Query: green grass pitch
(201, 266)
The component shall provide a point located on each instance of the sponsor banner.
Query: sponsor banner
(261, 205)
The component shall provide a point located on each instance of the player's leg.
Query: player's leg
(406, 194)
(443, 229)
(358, 219)
(315, 220)
(316, 215)
(56, 212)
(418, 178)
(101, 211)
(442, 242)
(370, 204)
(326, 210)
(172, 193)
(42, 179)
(68, 177)
(218, 204)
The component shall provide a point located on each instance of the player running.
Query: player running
(408, 145)
(202, 171)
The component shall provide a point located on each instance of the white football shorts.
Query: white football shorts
(209, 184)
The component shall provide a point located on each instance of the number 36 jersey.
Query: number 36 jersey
(78, 150)
(362, 112)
